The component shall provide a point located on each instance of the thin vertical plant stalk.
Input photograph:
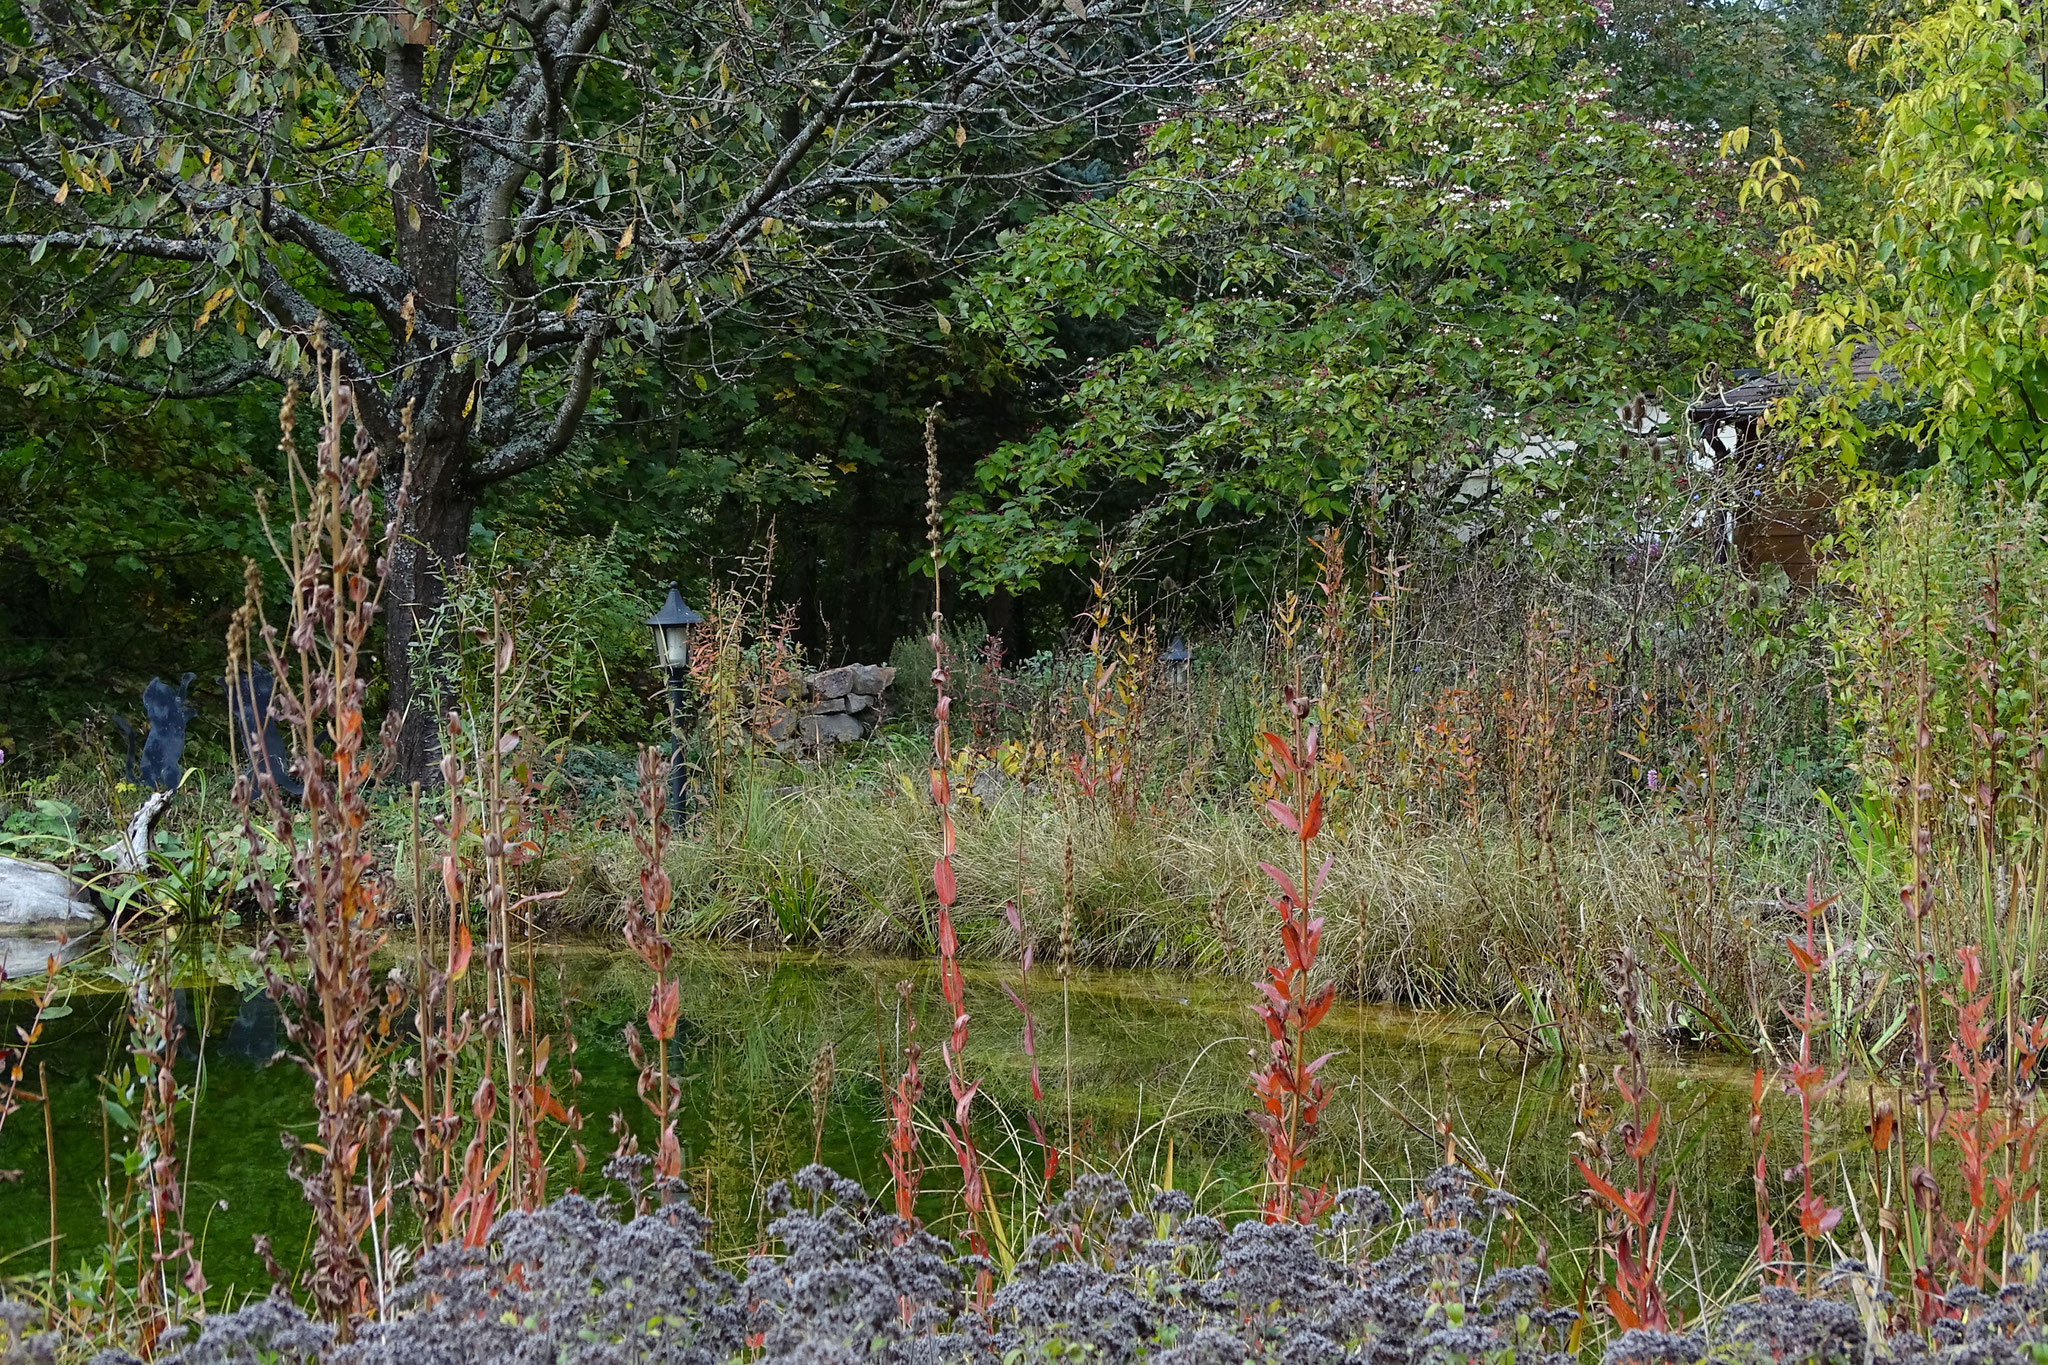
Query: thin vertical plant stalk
(1290, 1088)
(647, 934)
(905, 1169)
(946, 888)
(321, 968)
(1067, 988)
(1020, 996)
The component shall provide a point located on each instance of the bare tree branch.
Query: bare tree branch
(225, 382)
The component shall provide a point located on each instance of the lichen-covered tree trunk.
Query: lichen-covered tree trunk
(431, 534)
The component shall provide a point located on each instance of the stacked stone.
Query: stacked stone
(836, 706)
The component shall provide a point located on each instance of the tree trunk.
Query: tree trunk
(1006, 625)
(430, 537)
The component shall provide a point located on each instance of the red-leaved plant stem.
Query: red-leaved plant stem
(647, 934)
(1809, 1079)
(952, 985)
(321, 970)
(904, 1169)
(1995, 1144)
(1636, 1293)
(1290, 1087)
(1021, 998)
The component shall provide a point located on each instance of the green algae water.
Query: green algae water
(1145, 1071)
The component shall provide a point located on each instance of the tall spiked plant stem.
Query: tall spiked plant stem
(647, 934)
(1632, 1234)
(165, 1256)
(1290, 1087)
(443, 1033)
(905, 1170)
(1020, 996)
(321, 968)
(1808, 1079)
(946, 887)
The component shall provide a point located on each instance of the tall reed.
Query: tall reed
(1634, 1235)
(647, 933)
(166, 1266)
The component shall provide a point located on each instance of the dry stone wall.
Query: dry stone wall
(830, 708)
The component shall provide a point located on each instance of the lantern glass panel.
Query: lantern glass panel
(672, 646)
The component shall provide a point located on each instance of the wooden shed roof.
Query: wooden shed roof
(1754, 392)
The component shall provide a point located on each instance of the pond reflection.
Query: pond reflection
(27, 953)
(1145, 1071)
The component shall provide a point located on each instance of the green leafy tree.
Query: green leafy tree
(1780, 65)
(1415, 254)
(819, 453)
(122, 541)
(484, 209)
(1927, 330)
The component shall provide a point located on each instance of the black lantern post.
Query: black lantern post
(1177, 662)
(672, 652)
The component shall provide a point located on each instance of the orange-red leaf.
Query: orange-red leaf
(1312, 822)
(459, 963)
(1312, 1013)
(1621, 1202)
(1643, 1145)
(1283, 881)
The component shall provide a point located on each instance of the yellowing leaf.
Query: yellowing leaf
(212, 305)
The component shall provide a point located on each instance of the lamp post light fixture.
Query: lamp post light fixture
(1177, 662)
(672, 652)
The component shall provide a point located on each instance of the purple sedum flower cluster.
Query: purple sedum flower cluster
(1108, 1281)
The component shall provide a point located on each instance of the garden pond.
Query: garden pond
(1158, 1065)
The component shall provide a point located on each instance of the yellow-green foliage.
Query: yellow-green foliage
(1942, 614)
(1942, 267)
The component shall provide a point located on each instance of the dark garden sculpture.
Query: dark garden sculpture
(256, 729)
(168, 713)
